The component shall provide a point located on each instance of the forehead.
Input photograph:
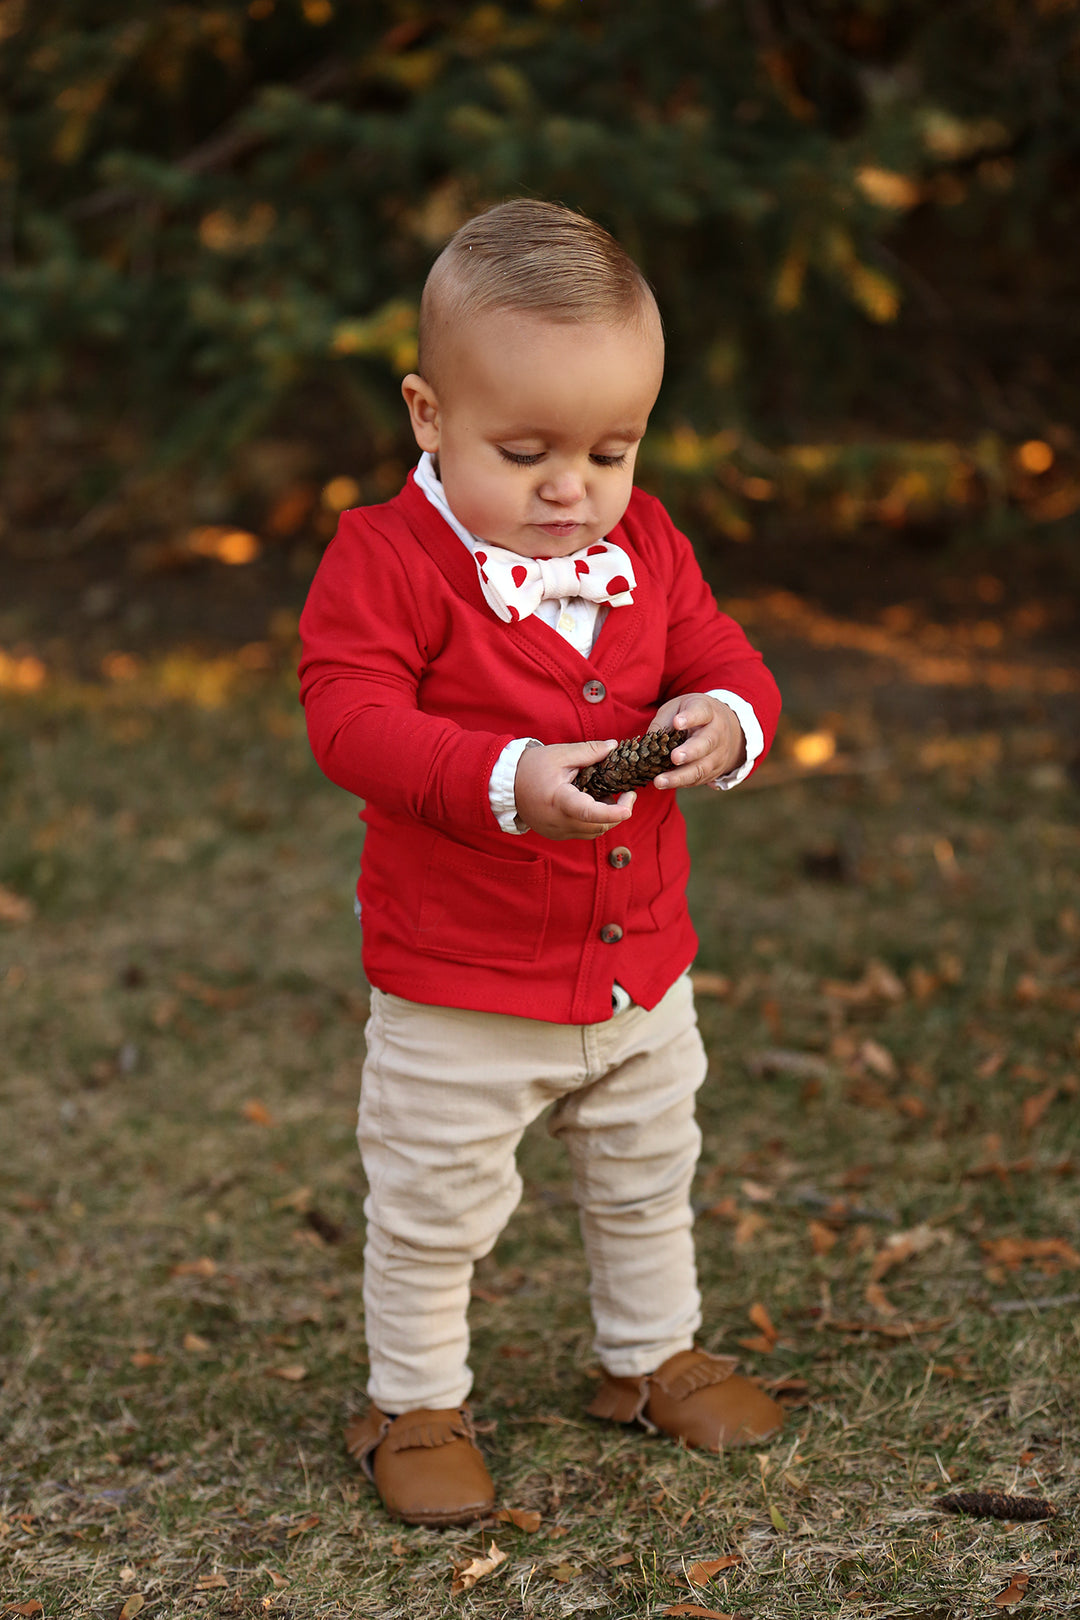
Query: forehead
(524, 371)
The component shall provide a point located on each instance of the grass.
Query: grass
(182, 1035)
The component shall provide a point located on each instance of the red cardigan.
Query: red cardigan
(412, 688)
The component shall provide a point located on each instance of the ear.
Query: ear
(423, 405)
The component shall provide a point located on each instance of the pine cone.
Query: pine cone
(996, 1505)
(634, 763)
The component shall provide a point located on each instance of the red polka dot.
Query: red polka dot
(514, 614)
(484, 577)
(581, 568)
(519, 574)
(595, 551)
(481, 557)
(617, 585)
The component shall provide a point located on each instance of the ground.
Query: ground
(888, 987)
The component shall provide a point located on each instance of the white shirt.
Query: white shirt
(578, 622)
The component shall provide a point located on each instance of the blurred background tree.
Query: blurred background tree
(860, 217)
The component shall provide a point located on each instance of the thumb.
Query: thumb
(598, 749)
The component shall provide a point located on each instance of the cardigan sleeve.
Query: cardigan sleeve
(363, 658)
(706, 649)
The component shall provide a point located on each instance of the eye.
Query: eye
(609, 461)
(519, 460)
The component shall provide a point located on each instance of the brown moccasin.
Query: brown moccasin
(425, 1465)
(693, 1397)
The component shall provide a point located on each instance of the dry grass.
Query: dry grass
(182, 1034)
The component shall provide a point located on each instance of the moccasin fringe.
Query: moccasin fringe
(702, 1374)
(430, 1435)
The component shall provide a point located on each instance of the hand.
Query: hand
(715, 746)
(547, 800)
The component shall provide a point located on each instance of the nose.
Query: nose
(563, 487)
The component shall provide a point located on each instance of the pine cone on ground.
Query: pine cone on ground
(631, 765)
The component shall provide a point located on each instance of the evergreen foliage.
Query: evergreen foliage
(851, 209)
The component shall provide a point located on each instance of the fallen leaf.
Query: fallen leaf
(305, 1524)
(291, 1374)
(146, 1358)
(696, 1609)
(761, 1319)
(710, 984)
(564, 1572)
(878, 1059)
(749, 1226)
(134, 1604)
(1014, 1592)
(725, 1209)
(202, 1267)
(878, 1299)
(756, 1192)
(257, 1113)
(900, 1246)
(706, 1568)
(527, 1519)
(210, 1583)
(822, 1237)
(299, 1200)
(777, 1518)
(912, 1106)
(29, 1608)
(195, 1341)
(1033, 1108)
(878, 983)
(557, 1532)
(276, 1580)
(14, 908)
(1051, 1252)
(466, 1575)
(620, 1560)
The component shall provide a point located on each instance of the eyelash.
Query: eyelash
(530, 461)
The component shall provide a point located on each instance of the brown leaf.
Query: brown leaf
(822, 1237)
(761, 1319)
(291, 1374)
(564, 1572)
(696, 1609)
(878, 1059)
(31, 1607)
(748, 1228)
(202, 1267)
(1033, 1108)
(466, 1575)
(1012, 1251)
(527, 1519)
(276, 1580)
(305, 1524)
(257, 1113)
(759, 1343)
(133, 1605)
(756, 1192)
(14, 908)
(210, 1583)
(706, 1568)
(710, 984)
(195, 1341)
(878, 1299)
(900, 1246)
(146, 1358)
(725, 1209)
(620, 1560)
(1014, 1592)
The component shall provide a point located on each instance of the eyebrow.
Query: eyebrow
(520, 431)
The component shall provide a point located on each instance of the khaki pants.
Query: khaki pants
(445, 1098)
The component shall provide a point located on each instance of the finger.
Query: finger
(691, 714)
(697, 747)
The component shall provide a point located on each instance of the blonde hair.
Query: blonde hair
(537, 257)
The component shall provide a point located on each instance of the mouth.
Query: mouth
(561, 530)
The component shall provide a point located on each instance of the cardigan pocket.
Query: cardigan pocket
(479, 907)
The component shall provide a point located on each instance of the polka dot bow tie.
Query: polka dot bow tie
(515, 586)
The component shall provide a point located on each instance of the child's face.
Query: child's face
(537, 425)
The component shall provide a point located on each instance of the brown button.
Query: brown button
(594, 691)
(611, 933)
(619, 857)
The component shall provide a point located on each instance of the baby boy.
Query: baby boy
(468, 647)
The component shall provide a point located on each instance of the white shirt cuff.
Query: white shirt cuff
(501, 786)
(752, 732)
